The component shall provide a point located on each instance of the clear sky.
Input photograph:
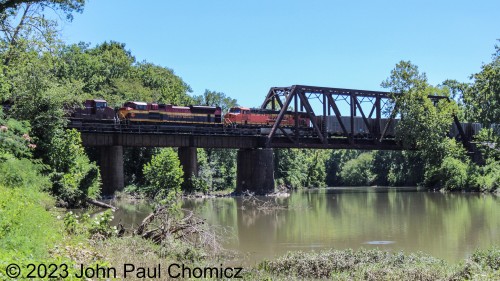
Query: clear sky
(243, 48)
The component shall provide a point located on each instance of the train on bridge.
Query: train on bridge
(97, 110)
(141, 112)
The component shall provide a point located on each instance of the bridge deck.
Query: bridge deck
(109, 134)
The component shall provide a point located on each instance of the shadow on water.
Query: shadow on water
(446, 225)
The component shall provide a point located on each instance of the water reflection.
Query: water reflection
(449, 226)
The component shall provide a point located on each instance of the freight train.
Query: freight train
(150, 113)
(142, 112)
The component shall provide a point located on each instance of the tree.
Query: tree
(24, 25)
(163, 174)
(423, 122)
(297, 168)
(213, 98)
(482, 99)
(67, 6)
(358, 171)
(109, 71)
(220, 164)
(74, 177)
(335, 162)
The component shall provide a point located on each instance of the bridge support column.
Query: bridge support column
(111, 169)
(189, 161)
(255, 171)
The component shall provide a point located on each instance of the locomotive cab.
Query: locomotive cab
(237, 115)
(93, 110)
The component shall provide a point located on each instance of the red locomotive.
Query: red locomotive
(243, 116)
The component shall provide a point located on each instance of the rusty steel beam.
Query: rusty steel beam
(312, 116)
(337, 113)
(279, 118)
(363, 116)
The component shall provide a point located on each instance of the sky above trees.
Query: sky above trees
(243, 48)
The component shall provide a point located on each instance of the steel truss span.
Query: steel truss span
(371, 116)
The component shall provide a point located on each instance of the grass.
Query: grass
(26, 225)
(377, 265)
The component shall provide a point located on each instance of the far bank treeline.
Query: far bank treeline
(41, 76)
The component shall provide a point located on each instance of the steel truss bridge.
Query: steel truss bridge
(319, 104)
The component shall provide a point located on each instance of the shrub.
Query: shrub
(14, 138)
(453, 174)
(487, 178)
(23, 173)
(98, 226)
(163, 174)
(74, 177)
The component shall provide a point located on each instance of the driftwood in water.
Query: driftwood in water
(101, 204)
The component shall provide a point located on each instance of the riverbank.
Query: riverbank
(77, 240)
(332, 265)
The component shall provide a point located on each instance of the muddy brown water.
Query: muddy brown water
(445, 225)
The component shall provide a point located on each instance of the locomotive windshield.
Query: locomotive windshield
(140, 106)
(235, 110)
(101, 104)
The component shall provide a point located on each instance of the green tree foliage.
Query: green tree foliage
(213, 98)
(15, 140)
(17, 169)
(482, 99)
(163, 174)
(109, 71)
(424, 122)
(452, 174)
(134, 159)
(297, 168)
(204, 182)
(67, 6)
(24, 25)
(222, 165)
(74, 177)
(216, 166)
(358, 171)
(335, 162)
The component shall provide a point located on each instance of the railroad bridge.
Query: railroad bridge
(339, 119)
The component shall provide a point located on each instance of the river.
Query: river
(445, 225)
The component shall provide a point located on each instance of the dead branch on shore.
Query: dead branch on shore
(162, 225)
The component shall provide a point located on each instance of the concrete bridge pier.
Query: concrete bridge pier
(255, 171)
(111, 169)
(189, 161)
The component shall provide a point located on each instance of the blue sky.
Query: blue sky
(243, 48)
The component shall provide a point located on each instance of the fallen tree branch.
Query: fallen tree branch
(101, 204)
